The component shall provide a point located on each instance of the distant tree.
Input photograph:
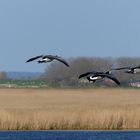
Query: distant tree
(3, 75)
(58, 73)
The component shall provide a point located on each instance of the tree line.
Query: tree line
(57, 74)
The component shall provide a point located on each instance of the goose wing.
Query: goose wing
(110, 77)
(136, 67)
(63, 61)
(87, 73)
(121, 68)
(34, 58)
(57, 58)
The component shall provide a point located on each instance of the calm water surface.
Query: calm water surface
(69, 135)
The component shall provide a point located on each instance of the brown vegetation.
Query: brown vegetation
(23, 109)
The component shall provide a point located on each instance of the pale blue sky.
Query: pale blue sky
(68, 28)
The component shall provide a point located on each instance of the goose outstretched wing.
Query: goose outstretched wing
(62, 60)
(87, 73)
(121, 68)
(136, 67)
(34, 58)
(110, 77)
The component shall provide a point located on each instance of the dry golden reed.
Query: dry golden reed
(55, 109)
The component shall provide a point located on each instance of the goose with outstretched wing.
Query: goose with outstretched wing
(93, 76)
(48, 58)
(132, 70)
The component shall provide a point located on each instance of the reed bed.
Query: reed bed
(80, 109)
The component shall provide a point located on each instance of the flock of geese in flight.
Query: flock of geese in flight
(91, 76)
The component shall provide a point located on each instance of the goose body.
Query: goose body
(48, 58)
(93, 76)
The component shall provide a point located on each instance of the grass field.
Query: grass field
(40, 109)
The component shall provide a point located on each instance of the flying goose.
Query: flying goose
(132, 70)
(93, 76)
(48, 58)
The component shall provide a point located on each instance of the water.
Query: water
(69, 135)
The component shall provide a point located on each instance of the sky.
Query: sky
(69, 28)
